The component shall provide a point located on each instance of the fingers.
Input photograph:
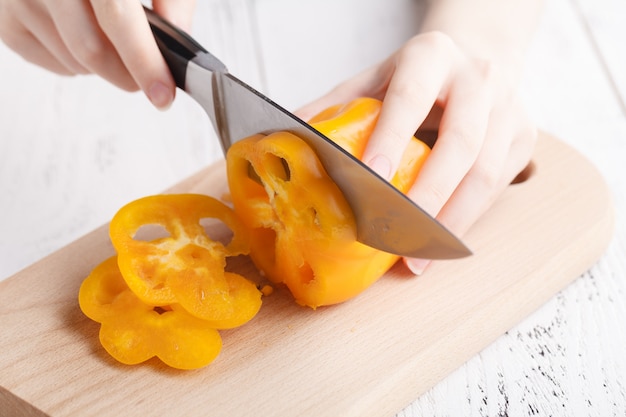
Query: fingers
(508, 146)
(506, 150)
(483, 184)
(79, 30)
(111, 38)
(420, 73)
(28, 29)
(462, 133)
(484, 136)
(474, 187)
(33, 51)
(124, 24)
(410, 82)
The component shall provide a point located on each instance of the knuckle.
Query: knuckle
(486, 69)
(433, 198)
(486, 176)
(440, 50)
(489, 75)
(463, 138)
(437, 40)
(409, 94)
(10, 38)
(90, 51)
(21, 45)
(11, 35)
(388, 139)
(110, 10)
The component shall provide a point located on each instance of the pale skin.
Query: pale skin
(465, 65)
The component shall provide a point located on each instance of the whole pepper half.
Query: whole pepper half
(302, 230)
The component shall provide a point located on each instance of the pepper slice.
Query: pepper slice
(132, 331)
(186, 266)
(350, 125)
(302, 230)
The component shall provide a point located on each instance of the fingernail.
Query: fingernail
(417, 266)
(381, 165)
(160, 96)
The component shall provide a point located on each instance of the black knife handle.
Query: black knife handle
(177, 47)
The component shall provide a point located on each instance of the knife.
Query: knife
(385, 218)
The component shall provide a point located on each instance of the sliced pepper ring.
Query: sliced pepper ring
(132, 331)
(185, 267)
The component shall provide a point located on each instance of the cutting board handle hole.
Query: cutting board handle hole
(525, 174)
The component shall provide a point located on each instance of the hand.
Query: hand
(110, 38)
(485, 138)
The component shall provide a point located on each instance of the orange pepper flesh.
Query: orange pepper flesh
(167, 296)
(185, 267)
(349, 125)
(132, 331)
(302, 229)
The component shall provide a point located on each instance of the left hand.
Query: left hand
(484, 136)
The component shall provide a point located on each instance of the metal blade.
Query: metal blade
(386, 219)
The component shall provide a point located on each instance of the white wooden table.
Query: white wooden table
(74, 150)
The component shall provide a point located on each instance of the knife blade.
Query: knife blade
(385, 218)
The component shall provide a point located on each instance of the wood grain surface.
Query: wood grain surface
(366, 357)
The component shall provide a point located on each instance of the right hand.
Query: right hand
(110, 38)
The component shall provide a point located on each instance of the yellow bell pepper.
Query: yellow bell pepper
(186, 266)
(302, 229)
(167, 295)
(133, 331)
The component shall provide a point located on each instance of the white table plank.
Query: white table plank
(604, 19)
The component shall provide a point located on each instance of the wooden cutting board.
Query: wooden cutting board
(369, 356)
